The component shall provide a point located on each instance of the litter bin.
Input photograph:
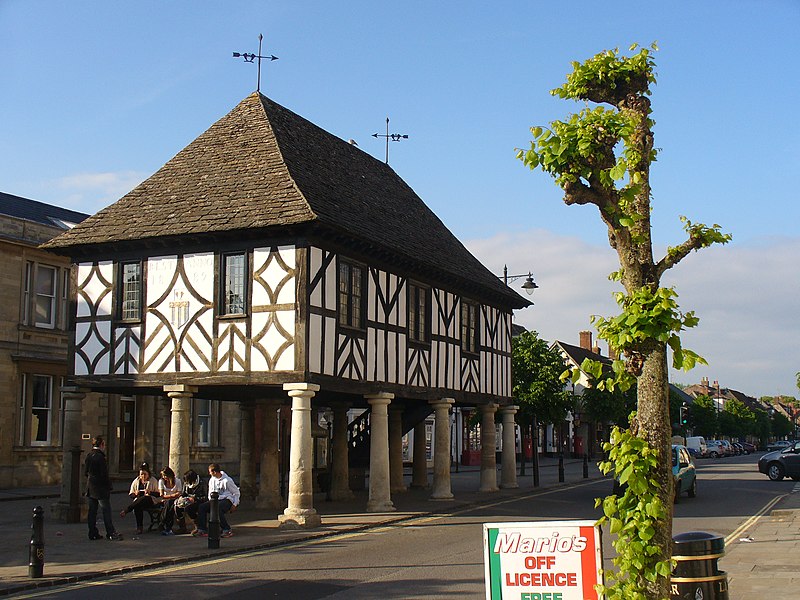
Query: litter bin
(696, 574)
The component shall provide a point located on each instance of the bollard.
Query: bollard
(561, 468)
(36, 564)
(213, 522)
(585, 466)
(696, 574)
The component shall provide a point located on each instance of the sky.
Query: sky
(96, 96)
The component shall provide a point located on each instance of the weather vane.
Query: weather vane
(251, 58)
(395, 137)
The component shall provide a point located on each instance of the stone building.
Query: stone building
(271, 265)
(34, 324)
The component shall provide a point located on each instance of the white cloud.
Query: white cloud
(89, 192)
(747, 297)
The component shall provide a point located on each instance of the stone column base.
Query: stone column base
(67, 513)
(299, 519)
(380, 506)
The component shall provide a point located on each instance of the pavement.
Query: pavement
(764, 565)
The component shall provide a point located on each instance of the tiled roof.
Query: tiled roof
(263, 166)
(38, 212)
(577, 354)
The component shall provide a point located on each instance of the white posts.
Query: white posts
(300, 512)
(488, 445)
(380, 498)
(181, 396)
(508, 471)
(441, 449)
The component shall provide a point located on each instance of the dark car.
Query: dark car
(748, 447)
(781, 463)
(779, 445)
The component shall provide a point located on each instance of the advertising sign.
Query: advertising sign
(544, 560)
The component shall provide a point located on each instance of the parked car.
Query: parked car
(779, 445)
(698, 444)
(738, 449)
(781, 463)
(683, 472)
(716, 449)
(727, 447)
(748, 447)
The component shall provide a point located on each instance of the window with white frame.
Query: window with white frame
(469, 327)
(37, 418)
(129, 287)
(206, 420)
(44, 301)
(234, 284)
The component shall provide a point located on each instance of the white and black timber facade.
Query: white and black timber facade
(268, 257)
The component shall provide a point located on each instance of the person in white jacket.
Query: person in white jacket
(221, 483)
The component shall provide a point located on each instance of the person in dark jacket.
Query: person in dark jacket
(98, 491)
(194, 494)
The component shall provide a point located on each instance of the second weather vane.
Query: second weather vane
(395, 137)
(252, 57)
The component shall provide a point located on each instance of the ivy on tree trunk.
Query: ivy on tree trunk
(602, 156)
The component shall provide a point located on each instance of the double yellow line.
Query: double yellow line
(734, 535)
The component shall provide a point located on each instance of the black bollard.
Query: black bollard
(696, 574)
(585, 466)
(213, 522)
(36, 564)
(561, 468)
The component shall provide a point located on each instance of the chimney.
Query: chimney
(596, 350)
(704, 381)
(586, 340)
(613, 353)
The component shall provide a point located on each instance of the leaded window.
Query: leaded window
(351, 295)
(234, 284)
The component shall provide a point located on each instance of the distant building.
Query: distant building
(34, 339)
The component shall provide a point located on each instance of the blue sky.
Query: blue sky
(96, 96)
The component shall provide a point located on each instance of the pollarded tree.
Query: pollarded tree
(602, 156)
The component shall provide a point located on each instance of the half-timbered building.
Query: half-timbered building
(270, 258)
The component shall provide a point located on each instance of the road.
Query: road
(430, 557)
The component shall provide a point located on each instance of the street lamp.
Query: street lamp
(529, 285)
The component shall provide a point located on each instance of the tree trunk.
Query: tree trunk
(652, 423)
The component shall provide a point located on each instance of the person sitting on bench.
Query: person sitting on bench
(144, 494)
(221, 483)
(170, 488)
(194, 494)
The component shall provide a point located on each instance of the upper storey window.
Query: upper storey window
(469, 327)
(44, 302)
(351, 295)
(234, 284)
(418, 313)
(129, 287)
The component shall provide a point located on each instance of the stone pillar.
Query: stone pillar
(300, 512)
(488, 444)
(247, 463)
(180, 429)
(340, 465)
(441, 450)
(269, 489)
(419, 465)
(396, 449)
(380, 496)
(68, 507)
(508, 471)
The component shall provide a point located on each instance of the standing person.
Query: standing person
(228, 501)
(194, 494)
(144, 492)
(170, 488)
(98, 491)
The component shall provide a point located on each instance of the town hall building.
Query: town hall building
(271, 263)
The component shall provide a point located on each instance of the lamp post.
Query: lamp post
(529, 285)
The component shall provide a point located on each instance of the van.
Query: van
(698, 444)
